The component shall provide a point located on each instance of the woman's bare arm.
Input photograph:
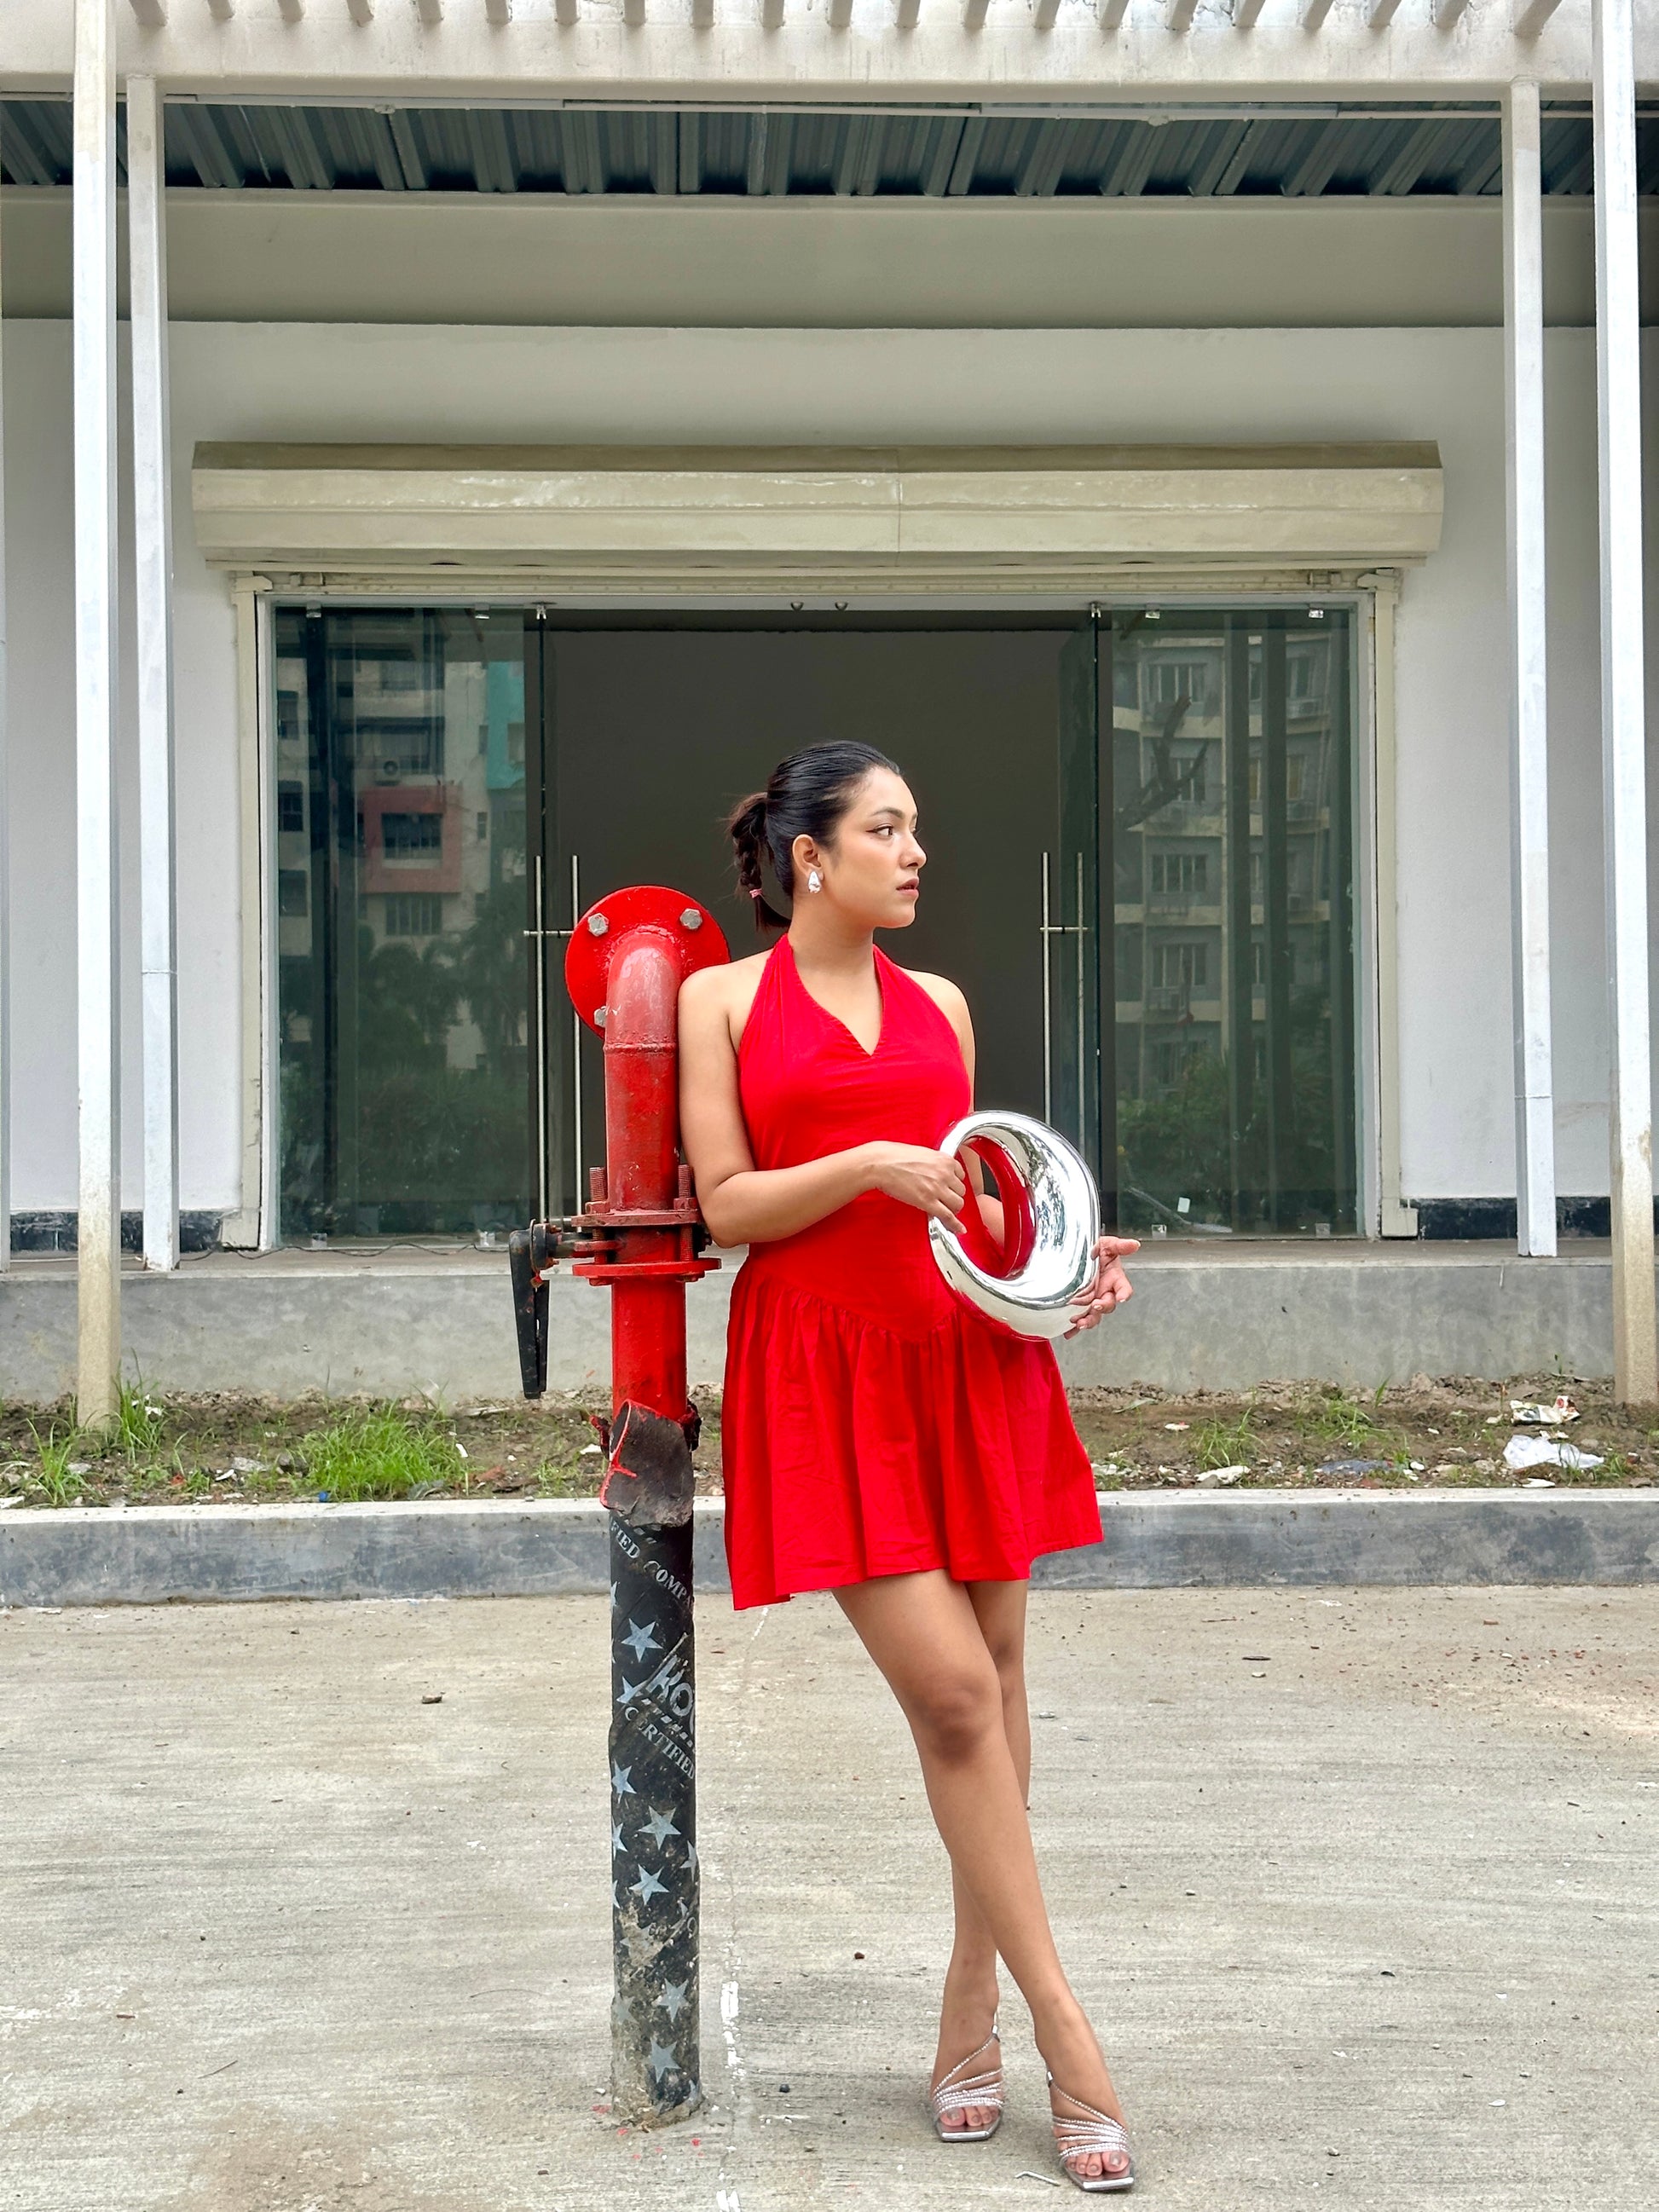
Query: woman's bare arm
(951, 1003)
(742, 1204)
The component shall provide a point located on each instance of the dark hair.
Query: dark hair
(806, 796)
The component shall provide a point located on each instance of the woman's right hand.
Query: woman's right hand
(932, 1181)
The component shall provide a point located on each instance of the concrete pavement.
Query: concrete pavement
(1358, 1885)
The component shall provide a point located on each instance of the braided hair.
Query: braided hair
(806, 796)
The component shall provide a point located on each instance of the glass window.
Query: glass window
(401, 939)
(1234, 1081)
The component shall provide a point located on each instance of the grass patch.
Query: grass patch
(1334, 1417)
(1617, 1467)
(62, 1481)
(1226, 1444)
(380, 1452)
(139, 1423)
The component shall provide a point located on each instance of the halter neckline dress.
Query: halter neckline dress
(872, 1424)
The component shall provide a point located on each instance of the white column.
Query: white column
(5, 819)
(1529, 793)
(1623, 782)
(97, 921)
(152, 517)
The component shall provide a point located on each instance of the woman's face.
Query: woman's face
(871, 866)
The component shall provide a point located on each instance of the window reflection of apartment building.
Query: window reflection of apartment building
(424, 765)
(1171, 772)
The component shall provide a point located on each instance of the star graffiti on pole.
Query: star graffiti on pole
(673, 2000)
(691, 1856)
(659, 2061)
(648, 1887)
(627, 1693)
(661, 1826)
(616, 1844)
(620, 1782)
(640, 1639)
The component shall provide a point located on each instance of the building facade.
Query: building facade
(1200, 443)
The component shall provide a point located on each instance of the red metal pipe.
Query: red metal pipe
(642, 1118)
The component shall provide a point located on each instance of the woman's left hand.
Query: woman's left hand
(1110, 1287)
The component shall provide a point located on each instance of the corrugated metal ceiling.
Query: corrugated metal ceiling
(818, 155)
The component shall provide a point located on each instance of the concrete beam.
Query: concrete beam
(313, 52)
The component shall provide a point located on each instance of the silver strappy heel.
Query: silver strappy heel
(957, 2090)
(1075, 2139)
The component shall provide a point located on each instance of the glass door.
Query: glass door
(1079, 1091)
(1209, 764)
(402, 918)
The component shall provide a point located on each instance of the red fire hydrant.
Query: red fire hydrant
(640, 1238)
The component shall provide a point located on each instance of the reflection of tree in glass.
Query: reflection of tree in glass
(1167, 782)
(406, 1004)
(1175, 1143)
(486, 963)
(433, 1145)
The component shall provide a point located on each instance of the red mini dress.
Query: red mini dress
(872, 1425)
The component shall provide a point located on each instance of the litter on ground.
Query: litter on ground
(1544, 1451)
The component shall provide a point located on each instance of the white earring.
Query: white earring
(814, 880)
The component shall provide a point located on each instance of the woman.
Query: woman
(880, 1442)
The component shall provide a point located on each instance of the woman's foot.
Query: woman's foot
(1079, 2080)
(966, 2020)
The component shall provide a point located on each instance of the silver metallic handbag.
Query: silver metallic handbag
(1051, 1214)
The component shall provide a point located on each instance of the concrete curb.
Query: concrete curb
(1156, 1539)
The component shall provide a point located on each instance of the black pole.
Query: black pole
(655, 2074)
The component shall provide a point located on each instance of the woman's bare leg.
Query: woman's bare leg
(924, 1633)
(969, 2001)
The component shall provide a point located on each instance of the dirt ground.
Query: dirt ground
(1434, 1433)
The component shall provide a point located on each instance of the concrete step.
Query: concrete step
(1221, 1318)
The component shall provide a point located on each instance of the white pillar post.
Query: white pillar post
(1529, 793)
(152, 515)
(97, 917)
(1623, 781)
(5, 824)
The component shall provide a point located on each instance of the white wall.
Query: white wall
(363, 383)
(1255, 262)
